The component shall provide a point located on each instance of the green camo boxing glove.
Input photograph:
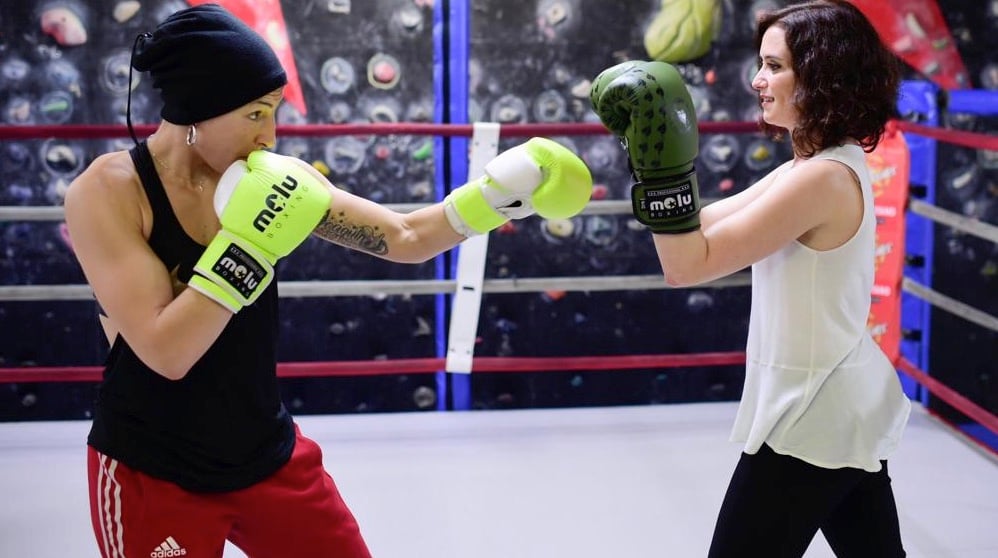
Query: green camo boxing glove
(539, 176)
(267, 206)
(648, 106)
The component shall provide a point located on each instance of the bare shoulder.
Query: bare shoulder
(830, 191)
(110, 172)
(109, 186)
(824, 173)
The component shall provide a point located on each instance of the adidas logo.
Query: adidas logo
(168, 549)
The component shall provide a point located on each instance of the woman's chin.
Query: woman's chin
(772, 121)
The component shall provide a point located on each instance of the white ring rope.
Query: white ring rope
(957, 221)
(951, 305)
(309, 289)
(10, 213)
(304, 289)
(965, 224)
(31, 213)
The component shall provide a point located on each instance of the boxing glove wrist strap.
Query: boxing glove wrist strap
(213, 291)
(668, 205)
(469, 212)
(231, 272)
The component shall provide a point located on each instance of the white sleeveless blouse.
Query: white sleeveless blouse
(817, 386)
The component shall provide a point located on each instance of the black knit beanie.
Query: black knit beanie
(205, 62)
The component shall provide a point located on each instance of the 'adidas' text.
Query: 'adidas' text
(168, 549)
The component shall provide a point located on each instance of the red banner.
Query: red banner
(884, 321)
(889, 167)
(917, 32)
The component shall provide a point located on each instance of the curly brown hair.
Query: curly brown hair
(846, 79)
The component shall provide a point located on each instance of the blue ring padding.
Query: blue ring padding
(459, 24)
(439, 160)
(973, 101)
(919, 97)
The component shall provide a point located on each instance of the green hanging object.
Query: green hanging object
(683, 30)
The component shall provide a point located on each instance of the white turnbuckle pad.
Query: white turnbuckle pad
(470, 264)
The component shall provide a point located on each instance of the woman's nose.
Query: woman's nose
(268, 138)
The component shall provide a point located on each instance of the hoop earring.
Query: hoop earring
(192, 134)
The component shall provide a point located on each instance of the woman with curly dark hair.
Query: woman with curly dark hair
(822, 407)
(846, 81)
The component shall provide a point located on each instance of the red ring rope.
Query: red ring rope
(956, 137)
(411, 366)
(509, 364)
(104, 131)
(950, 396)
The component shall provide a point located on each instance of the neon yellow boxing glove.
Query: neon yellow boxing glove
(539, 176)
(267, 206)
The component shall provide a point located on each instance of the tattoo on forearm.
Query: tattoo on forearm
(336, 228)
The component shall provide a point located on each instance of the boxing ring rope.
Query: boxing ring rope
(949, 395)
(503, 364)
(956, 221)
(111, 131)
(307, 289)
(57, 213)
(598, 207)
(389, 367)
(949, 304)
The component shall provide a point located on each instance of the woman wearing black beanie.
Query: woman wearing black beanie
(190, 444)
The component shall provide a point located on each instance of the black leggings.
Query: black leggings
(776, 503)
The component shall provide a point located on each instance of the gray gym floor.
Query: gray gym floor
(621, 482)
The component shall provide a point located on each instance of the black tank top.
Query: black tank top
(223, 426)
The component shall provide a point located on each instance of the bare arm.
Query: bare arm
(361, 224)
(819, 201)
(716, 211)
(104, 213)
(538, 173)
